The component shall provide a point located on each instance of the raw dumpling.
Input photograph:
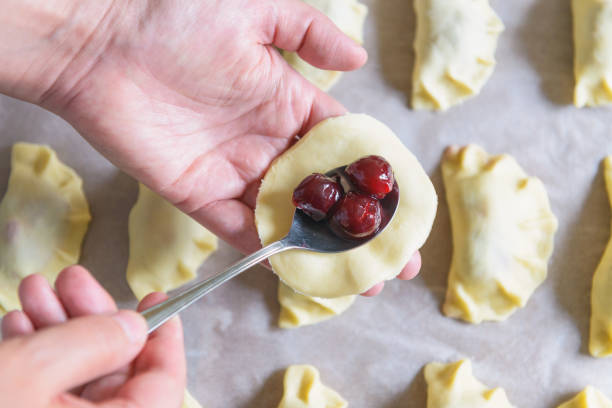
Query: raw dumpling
(299, 310)
(455, 51)
(303, 389)
(349, 16)
(588, 398)
(332, 143)
(454, 386)
(600, 343)
(166, 245)
(503, 232)
(189, 401)
(43, 219)
(593, 52)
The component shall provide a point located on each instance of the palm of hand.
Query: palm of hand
(199, 86)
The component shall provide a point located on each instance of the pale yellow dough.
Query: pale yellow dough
(503, 231)
(454, 386)
(600, 343)
(300, 310)
(189, 401)
(43, 219)
(592, 52)
(332, 143)
(166, 245)
(588, 398)
(303, 389)
(455, 51)
(349, 16)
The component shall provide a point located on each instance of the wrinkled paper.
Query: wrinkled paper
(374, 353)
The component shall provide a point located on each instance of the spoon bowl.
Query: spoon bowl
(305, 233)
(318, 236)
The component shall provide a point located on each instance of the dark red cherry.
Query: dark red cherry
(372, 175)
(358, 215)
(316, 195)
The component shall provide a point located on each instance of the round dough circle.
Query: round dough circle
(332, 143)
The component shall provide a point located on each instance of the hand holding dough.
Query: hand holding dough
(588, 398)
(503, 232)
(303, 389)
(600, 342)
(349, 16)
(593, 52)
(43, 219)
(300, 310)
(166, 245)
(455, 51)
(453, 386)
(332, 143)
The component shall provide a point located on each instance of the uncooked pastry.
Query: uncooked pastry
(43, 219)
(349, 16)
(503, 232)
(332, 143)
(455, 51)
(189, 401)
(600, 342)
(592, 52)
(588, 398)
(166, 245)
(303, 389)
(454, 386)
(300, 310)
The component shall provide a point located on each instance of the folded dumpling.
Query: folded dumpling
(303, 389)
(503, 230)
(592, 52)
(301, 310)
(349, 16)
(454, 386)
(600, 342)
(588, 398)
(43, 218)
(166, 245)
(455, 51)
(189, 401)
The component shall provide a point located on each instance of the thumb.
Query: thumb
(62, 357)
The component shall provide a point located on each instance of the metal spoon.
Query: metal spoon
(305, 233)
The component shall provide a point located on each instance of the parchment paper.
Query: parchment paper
(374, 353)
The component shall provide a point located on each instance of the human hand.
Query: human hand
(74, 339)
(193, 99)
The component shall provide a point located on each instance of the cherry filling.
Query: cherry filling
(316, 195)
(358, 215)
(372, 175)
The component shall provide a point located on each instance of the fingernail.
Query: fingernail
(132, 324)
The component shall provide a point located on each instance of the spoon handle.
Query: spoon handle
(160, 313)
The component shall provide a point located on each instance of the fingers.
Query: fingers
(78, 294)
(16, 323)
(163, 342)
(61, 357)
(81, 294)
(301, 28)
(374, 290)
(40, 302)
(159, 379)
(412, 268)
(410, 271)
